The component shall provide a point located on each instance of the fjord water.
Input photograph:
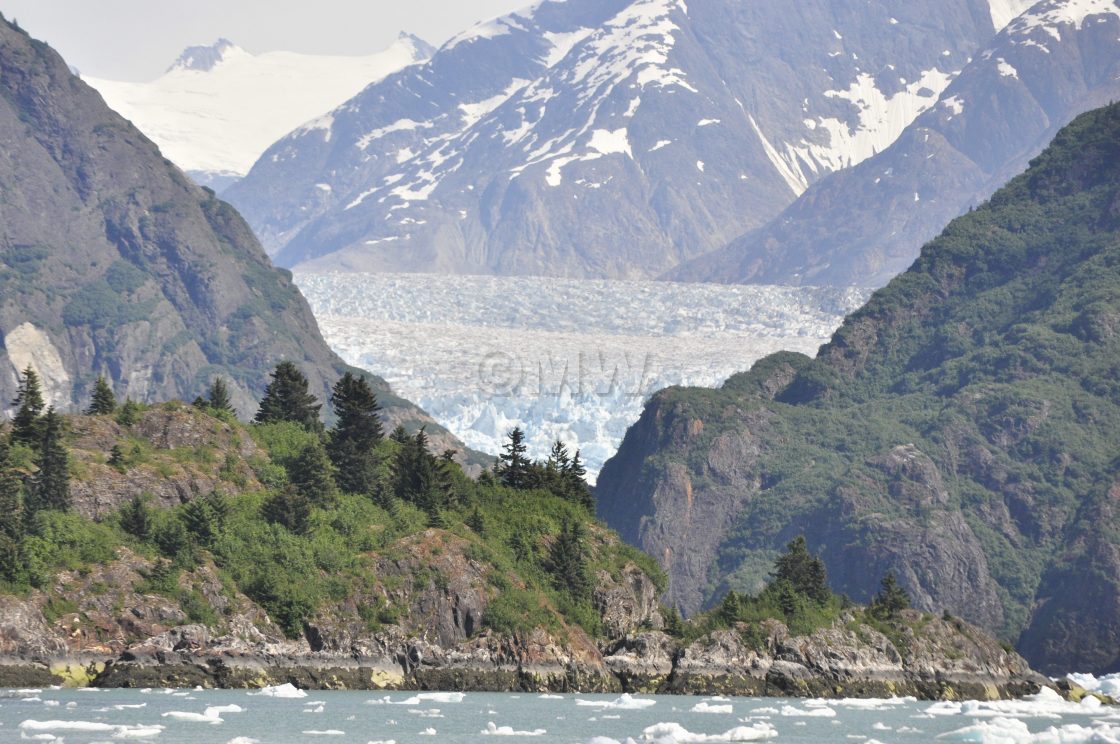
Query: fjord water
(241, 717)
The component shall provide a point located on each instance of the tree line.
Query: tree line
(354, 456)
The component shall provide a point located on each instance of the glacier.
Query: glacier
(568, 359)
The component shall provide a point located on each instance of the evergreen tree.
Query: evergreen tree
(50, 486)
(29, 405)
(313, 475)
(103, 402)
(217, 398)
(136, 518)
(576, 484)
(400, 435)
(128, 413)
(286, 399)
(357, 433)
(803, 571)
(568, 561)
(289, 508)
(11, 519)
(891, 599)
(513, 467)
(415, 474)
(116, 458)
(204, 518)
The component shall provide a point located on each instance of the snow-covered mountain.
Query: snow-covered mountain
(218, 107)
(865, 225)
(561, 358)
(608, 138)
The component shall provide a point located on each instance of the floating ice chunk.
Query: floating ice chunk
(706, 707)
(428, 732)
(41, 730)
(324, 732)
(217, 710)
(286, 690)
(547, 696)
(493, 730)
(243, 740)
(1106, 685)
(624, 702)
(674, 733)
(791, 711)
(183, 715)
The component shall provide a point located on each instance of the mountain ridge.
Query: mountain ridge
(672, 104)
(1052, 62)
(954, 430)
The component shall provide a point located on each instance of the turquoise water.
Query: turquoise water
(239, 717)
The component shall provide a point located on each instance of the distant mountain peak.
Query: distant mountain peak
(423, 48)
(203, 58)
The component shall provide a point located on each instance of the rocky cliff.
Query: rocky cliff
(958, 430)
(112, 262)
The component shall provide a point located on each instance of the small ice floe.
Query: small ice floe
(51, 703)
(864, 703)
(793, 711)
(623, 702)
(324, 732)
(705, 707)
(286, 690)
(243, 740)
(1015, 731)
(382, 741)
(674, 733)
(428, 732)
(40, 730)
(186, 715)
(494, 730)
(314, 708)
(426, 713)
(420, 698)
(547, 696)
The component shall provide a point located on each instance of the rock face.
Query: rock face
(866, 224)
(151, 642)
(956, 430)
(603, 139)
(112, 262)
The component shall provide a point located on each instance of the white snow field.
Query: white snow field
(563, 359)
(219, 107)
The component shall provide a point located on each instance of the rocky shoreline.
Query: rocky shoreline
(846, 660)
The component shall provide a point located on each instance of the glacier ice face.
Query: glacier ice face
(569, 359)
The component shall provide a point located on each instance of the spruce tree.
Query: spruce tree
(576, 484)
(103, 402)
(568, 561)
(415, 474)
(289, 508)
(50, 486)
(128, 413)
(357, 433)
(286, 399)
(217, 397)
(313, 475)
(803, 571)
(11, 519)
(891, 599)
(29, 405)
(136, 518)
(513, 467)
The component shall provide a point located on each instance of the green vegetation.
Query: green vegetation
(309, 538)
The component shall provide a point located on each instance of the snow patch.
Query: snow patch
(1005, 69)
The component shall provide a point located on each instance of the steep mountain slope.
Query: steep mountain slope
(959, 429)
(112, 262)
(219, 107)
(865, 225)
(609, 139)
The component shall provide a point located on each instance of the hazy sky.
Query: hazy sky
(139, 39)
